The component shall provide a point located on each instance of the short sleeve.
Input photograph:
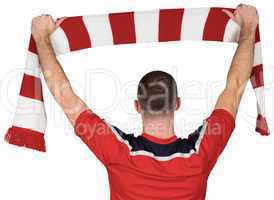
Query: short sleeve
(97, 135)
(219, 127)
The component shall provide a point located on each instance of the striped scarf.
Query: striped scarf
(77, 33)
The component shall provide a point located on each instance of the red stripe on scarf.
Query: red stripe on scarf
(170, 24)
(257, 76)
(215, 24)
(257, 35)
(261, 126)
(123, 27)
(76, 33)
(26, 138)
(32, 45)
(31, 87)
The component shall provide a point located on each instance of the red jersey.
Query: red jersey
(149, 168)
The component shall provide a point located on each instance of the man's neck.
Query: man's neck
(160, 126)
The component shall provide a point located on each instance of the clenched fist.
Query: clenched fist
(42, 26)
(244, 15)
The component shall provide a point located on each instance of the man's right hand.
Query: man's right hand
(44, 25)
(244, 15)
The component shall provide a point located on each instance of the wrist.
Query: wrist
(42, 41)
(248, 33)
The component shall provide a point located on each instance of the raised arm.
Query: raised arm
(242, 63)
(55, 77)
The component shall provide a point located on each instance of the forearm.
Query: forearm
(239, 73)
(242, 63)
(51, 69)
(57, 81)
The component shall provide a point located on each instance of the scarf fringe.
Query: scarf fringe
(261, 126)
(23, 137)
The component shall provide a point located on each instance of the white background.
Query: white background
(107, 77)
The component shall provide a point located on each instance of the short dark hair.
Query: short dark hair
(157, 93)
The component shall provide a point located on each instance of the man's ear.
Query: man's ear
(137, 106)
(178, 103)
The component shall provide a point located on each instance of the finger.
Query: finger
(238, 8)
(236, 11)
(229, 14)
(45, 15)
(51, 18)
(244, 5)
(59, 21)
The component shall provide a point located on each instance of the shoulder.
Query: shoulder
(220, 120)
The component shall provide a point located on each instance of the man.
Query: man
(155, 165)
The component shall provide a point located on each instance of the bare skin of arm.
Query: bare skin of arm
(242, 63)
(55, 77)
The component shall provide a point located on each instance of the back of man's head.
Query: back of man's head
(157, 93)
